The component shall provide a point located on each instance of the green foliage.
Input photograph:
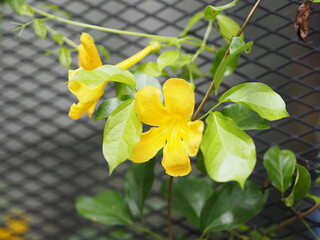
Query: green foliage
(167, 58)
(189, 195)
(301, 186)
(26, 10)
(228, 27)
(193, 20)
(229, 68)
(183, 60)
(151, 69)
(40, 28)
(244, 117)
(191, 71)
(102, 49)
(259, 97)
(211, 12)
(280, 165)
(229, 206)
(229, 153)
(65, 57)
(107, 107)
(229, 61)
(108, 207)
(102, 74)
(145, 80)
(15, 4)
(122, 131)
(58, 38)
(138, 183)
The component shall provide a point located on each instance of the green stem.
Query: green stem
(104, 29)
(204, 41)
(169, 217)
(65, 39)
(148, 231)
(207, 113)
(310, 229)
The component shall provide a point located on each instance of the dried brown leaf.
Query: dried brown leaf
(301, 23)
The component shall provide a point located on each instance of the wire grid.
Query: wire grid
(48, 160)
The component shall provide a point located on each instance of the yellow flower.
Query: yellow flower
(173, 130)
(89, 59)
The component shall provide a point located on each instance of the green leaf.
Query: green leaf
(255, 235)
(211, 12)
(182, 60)
(102, 74)
(229, 153)
(316, 199)
(167, 58)
(200, 163)
(151, 69)
(193, 20)
(65, 57)
(15, 4)
(228, 27)
(102, 49)
(259, 97)
(229, 68)
(121, 133)
(58, 38)
(244, 117)
(26, 10)
(108, 207)
(138, 183)
(229, 206)
(280, 165)
(51, 6)
(107, 107)
(189, 195)
(124, 90)
(145, 80)
(225, 64)
(192, 69)
(39, 28)
(302, 185)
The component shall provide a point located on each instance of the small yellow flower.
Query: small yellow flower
(89, 59)
(173, 130)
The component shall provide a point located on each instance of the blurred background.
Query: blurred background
(48, 160)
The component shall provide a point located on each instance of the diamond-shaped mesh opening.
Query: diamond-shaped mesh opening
(48, 160)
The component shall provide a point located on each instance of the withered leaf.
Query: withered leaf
(301, 23)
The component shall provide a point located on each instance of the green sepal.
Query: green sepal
(189, 195)
(244, 117)
(138, 183)
(122, 131)
(102, 74)
(259, 97)
(108, 207)
(229, 153)
(280, 166)
(230, 206)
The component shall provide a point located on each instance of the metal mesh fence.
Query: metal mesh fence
(48, 160)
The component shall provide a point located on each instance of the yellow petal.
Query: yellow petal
(18, 226)
(175, 159)
(179, 97)
(4, 233)
(78, 110)
(148, 146)
(85, 93)
(149, 107)
(88, 54)
(191, 135)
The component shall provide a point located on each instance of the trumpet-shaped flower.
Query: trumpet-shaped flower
(89, 59)
(172, 128)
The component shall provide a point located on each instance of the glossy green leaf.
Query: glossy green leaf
(58, 38)
(302, 185)
(122, 131)
(259, 97)
(108, 207)
(228, 27)
(102, 74)
(107, 107)
(280, 165)
(26, 10)
(138, 183)
(124, 90)
(244, 117)
(15, 4)
(189, 195)
(224, 65)
(200, 163)
(230, 206)
(211, 12)
(167, 58)
(65, 57)
(39, 28)
(145, 80)
(193, 20)
(229, 153)
(151, 69)
(229, 68)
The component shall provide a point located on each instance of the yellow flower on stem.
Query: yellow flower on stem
(173, 129)
(89, 59)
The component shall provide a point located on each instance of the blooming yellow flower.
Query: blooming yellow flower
(173, 130)
(89, 59)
